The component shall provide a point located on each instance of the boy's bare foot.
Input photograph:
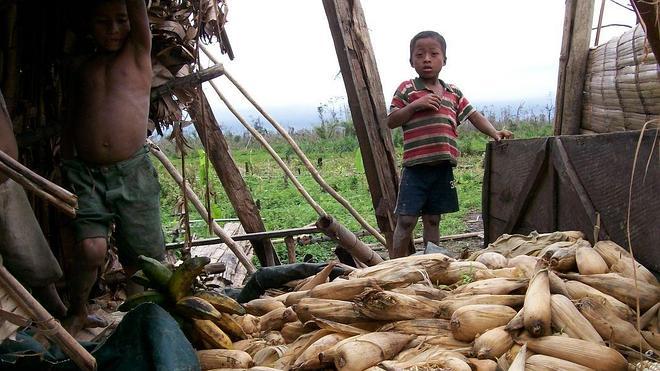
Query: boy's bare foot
(75, 323)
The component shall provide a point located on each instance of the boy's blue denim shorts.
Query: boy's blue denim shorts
(427, 190)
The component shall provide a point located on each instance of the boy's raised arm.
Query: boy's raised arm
(140, 33)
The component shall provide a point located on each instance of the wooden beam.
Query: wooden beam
(237, 191)
(367, 103)
(573, 65)
(568, 175)
(248, 236)
(193, 79)
(648, 13)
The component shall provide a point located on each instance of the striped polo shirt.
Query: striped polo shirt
(430, 136)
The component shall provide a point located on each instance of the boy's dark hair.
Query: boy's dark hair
(429, 34)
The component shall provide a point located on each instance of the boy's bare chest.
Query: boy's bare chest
(112, 75)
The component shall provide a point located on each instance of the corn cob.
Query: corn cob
(456, 271)
(319, 278)
(585, 353)
(259, 307)
(482, 364)
(568, 319)
(223, 358)
(537, 312)
(517, 322)
(334, 310)
(492, 286)
(269, 355)
(422, 290)
(450, 304)
(518, 363)
(577, 290)
(492, 260)
(470, 320)
(540, 362)
(292, 330)
(343, 290)
(622, 288)
(492, 343)
(563, 260)
(369, 349)
(484, 274)
(392, 306)
(608, 325)
(589, 261)
(275, 319)
(422, 327)
(309, 359)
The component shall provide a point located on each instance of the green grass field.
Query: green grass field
(283, 207)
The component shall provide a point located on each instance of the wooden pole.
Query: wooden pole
(600, 22)
(45, 322)
(43, 183)
(319, 210)
(27, 184)
(235, 187)
(290, 249)
(195, 78)
(367, 103)
(648, 13)
(303, 158)
(573, 66)
(348, 241)
(197, 203)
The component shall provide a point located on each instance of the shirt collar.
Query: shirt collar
(418, 84)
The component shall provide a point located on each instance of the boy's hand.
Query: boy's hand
(429, 101)
(502, 134)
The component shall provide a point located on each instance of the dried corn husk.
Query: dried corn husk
(369, 349)
(294, 297)
(563, 260)
(557, 285)
(450, 343)
(392, 306)
(345, 289)
(492, 286)
(589, 261)
(492, 343)
(223, 358)
(319, 278)
(297, 347)
(577, 290)
(483, 274)
(269, 355)
(625, 268)
(339, 327)
(334, 310)
(649, 316)
(517, 322)
(250, 346)
(482, 364)
(426, 291)
(622, 288)
(428, 358)
(585, 353)
(492, 260)
(457, 271)
(547, 252)
(275, 319)
(292, 330)
(540, 362)
(273, 338)
(610, 252)
(536, 316)
(566, 318)
(249, 323)
(518, 362)
(422, 327)
(653, 339)
(309, 359)
(448, 306)
(259, 307)
(470, 320)
(598, 312)
(527, 264)
(410, 269)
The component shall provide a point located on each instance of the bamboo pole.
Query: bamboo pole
(197, 203)
(193, 79)
(27, 184)
(46, 323)
(348, 241)
(600, 22)
(319, 210)
(315, 174)
(50, 187)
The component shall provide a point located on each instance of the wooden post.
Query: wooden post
(573, 65)
(231, 179)
(648, 13)
(290, 248)
(367, 104)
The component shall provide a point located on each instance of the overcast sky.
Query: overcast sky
(498, 51)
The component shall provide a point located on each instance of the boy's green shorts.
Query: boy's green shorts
(127, 194)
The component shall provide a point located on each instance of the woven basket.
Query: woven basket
(622, 85)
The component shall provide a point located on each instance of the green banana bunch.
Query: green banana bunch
(207, 313)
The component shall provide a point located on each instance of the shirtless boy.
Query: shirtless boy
(106, 160)
(24, 249)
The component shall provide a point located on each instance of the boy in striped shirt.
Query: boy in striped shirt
(429, 111)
